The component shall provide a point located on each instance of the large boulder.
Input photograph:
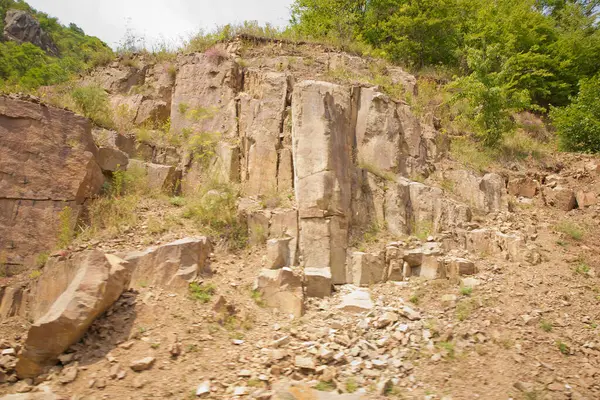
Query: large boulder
(173, 265)
(486, 194)
(157, 177)
(99, 281)
(21, 27)
(281, 289)
(48, 162)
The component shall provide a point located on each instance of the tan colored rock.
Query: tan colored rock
(173, 265)
(152, 112)
(223, 167)
(112, 160)
(523, 187)
(204, 95)
(368, 269)
(586, 199)
(285, 172)
(13, 302)
(560, 197)
(48, 162)
(456, 267)
(278, 253)
(485, 193)
(281, 289)
(284, 223)
(42, 393)
(356, 301)
(107, 138)
(262, 107)
(304, 392)
(142, 364)
(161, 178)
(258, 227)
(317, 282)
(97, 284)
(117, 78)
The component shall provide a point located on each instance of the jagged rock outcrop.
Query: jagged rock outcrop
(282, 289)
(47, 162)
(486, 194)
(97, 282)
(21, 27)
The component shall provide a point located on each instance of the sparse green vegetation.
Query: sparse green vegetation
(563, 348)
(582, 269)
(466, 290)
(41, 259)
(36, 273)
(351, 385)
(257, 297)
(448, 347)
(415, 298)
(202, 293)
(214, 209)
(325, 386)
(423, 229)
(92, 102)
(464, 309)
(546, 326)
(571, 229)
(66, 233)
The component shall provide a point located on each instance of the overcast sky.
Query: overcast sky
(155, 19)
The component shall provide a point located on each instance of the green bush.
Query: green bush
(92, 102)
(578, 125)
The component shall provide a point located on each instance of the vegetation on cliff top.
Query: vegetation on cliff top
(25, 66)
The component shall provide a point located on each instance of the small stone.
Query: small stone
(410, 313)
(127, 345)
(66, 358)
(9, 352)
(143, 364)
(203, 388)
(525, 387)
(245, 373)
(328, 374)
(238, 342)
(240, 391)
(384, 386)
(282, 341)
(100, 384)
(138, 382)
(305, 363)
(469, 282)
(69, 374)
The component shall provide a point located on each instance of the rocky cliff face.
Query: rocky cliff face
(21, 27)
(47, 163)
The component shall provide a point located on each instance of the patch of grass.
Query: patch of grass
(258, 299)
(143, 283)
(448, 185)
(214, 209)
(155, 346)
(571, 229)
(351, 385)
(201, 292)
(325, 386)
(41, 259)
(582, 269)
(415, 298)
(563, 348)
(257, 383)
(177, 201)
(466, 290)
(423, 229)
(448, 347)
(546, 326)
(66, 232)
(191, 348)
(93, 103)
(464, 309)
(36, 273)
(385, 175)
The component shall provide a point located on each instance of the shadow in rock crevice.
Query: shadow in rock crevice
(108, 331)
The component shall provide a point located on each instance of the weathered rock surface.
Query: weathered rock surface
(485, 193)
(99, 281)
(368, 269)
(48, 162)
(112, 160)
(523, 187)
(21, 27)
(560, 197)
(173, 265)
(161, 178)
(281, 289)
(317, 282)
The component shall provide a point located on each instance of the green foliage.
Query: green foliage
(24, 67)
(325, 386)
(66, 233)
(578, 125)
(41, 259)
(546, 326)
(214, 209)
(466, 290)
(351, 385)
(201, 292)
(93, 103)
(571, 229)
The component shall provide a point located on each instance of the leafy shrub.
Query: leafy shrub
(578, 124)
(93, 103)
(202, 293)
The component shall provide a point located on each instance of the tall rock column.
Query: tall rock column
(323, 130)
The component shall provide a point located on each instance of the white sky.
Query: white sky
(156, 19)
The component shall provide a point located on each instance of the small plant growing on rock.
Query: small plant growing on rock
(563, 348)
(325, 386)
(66, 233)
(93, 103)
(582, 269)
(466, 290)
(546, 326)
(351, 385)
(257, 297)
(570, 229)
(36, 273)
(200, 292)
(216, 55)
(41, 259)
